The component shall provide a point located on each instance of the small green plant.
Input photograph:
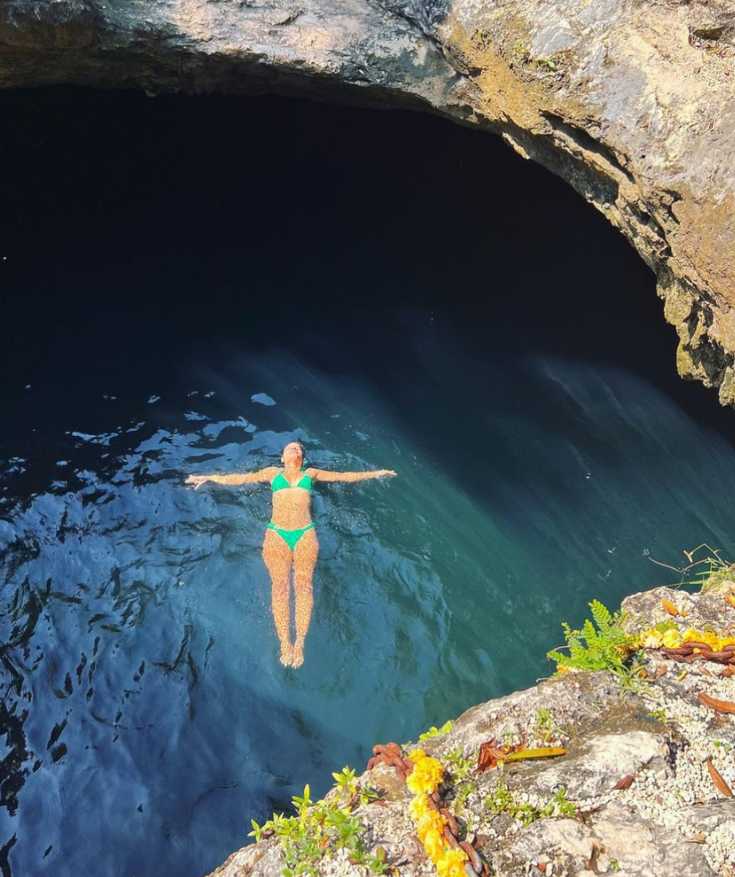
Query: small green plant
(660, 715)
(346, 782)
(349, 790)
(366, 794)
(461, 770)
(614, 865)
(464, 790)
(502, 800)
(547, 64)
(435, 732)
(544, 727)
(459, 766)
(317, 828)
(560, 805)
(600, 644)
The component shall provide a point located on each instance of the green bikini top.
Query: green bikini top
(280, 482)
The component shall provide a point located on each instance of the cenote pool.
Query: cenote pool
(188, 284)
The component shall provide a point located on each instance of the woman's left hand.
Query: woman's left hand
(387, 473)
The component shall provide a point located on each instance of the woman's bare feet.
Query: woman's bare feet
(287, 655)
(298, 654)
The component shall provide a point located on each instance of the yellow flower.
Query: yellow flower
(434, 844)
(426, 775)
(417, 755)
(431, 821)
(418, 807)
(451, 864)
(651, 639)
(672, 639)
(714, 641)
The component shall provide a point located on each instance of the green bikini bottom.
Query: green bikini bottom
(290, 537)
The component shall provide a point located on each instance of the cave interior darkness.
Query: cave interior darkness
(151, 226)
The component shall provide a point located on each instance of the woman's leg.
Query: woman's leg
(304, 560)
(277, 557)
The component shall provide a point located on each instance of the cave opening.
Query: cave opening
(189, 282)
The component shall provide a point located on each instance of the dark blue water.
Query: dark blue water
(189, 284)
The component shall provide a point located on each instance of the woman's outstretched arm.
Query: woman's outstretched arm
(267, 474)
(326, 475)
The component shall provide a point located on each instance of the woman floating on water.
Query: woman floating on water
(290, 539)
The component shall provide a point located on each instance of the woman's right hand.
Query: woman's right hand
(387, 473)
(196, 480)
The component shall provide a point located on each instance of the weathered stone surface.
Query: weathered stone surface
(631, 102)
(701, 611)
(666, 818)
(606, 755)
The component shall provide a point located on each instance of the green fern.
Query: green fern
(600, 644)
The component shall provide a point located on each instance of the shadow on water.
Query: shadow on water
(191, 283)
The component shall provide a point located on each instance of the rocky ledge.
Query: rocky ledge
(644, 786)
(630, 102)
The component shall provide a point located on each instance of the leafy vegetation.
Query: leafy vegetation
(319, 827)
(436, 732)
(349, 791)
(463, 791)
(459, 766)
(544, 726)
(600, 644)
(346, 782)
(461, 770)
(502, 800)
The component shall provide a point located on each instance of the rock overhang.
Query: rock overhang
(630, 103)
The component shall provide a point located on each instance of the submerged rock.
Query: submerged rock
(631, 103)
(635, 793)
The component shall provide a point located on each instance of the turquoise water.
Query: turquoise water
(545, 451)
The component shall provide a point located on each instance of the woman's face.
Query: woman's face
(292, 455)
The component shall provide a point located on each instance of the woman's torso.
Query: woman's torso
(291, 503)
